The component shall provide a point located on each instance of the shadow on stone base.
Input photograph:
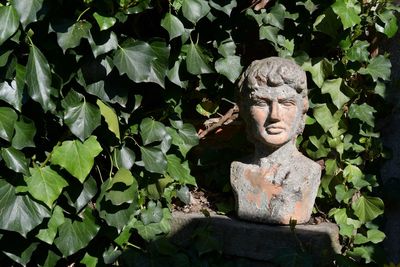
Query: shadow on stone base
(317, 244)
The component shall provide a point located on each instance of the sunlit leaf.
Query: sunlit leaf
(57, 218)
(8, 117)
(194, 10)
(38, 79)
(45, 184)
(154, 159)
(173, 26)
(368, 208)
(25, 131)
(124, 157)
(72, 37)
(179, 170)
(19, 213)
(151, 131)
(27, 10)
(358, 51)
(82, 119)
(77, 157)
(196, 61)
(103, 42)
(230, 67)
(104, 22)
(379, 67)
(363, 112)
(348, 12)
(110, 117)
(15, 160)
(75, 235)
(8, 22)
(10, 93)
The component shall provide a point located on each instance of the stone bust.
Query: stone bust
(277, 183)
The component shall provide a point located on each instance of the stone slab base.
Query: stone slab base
(259, 242)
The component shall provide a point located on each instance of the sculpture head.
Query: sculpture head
(272, 98)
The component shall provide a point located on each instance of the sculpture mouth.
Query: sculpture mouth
(274, 129)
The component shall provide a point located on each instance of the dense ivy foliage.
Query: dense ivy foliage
(96, 97)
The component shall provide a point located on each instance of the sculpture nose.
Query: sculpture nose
(274, 114)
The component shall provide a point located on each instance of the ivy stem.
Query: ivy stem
(49, 156)
(83, 12)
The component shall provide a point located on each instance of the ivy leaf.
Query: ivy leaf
(390, 23)
(230, 67)
(378, 67)
(9, 22)
(151, 131)
(57, 218)
(154, 159)
(358, 51)
(354, 175)
(103, 42)
(72, 37)
(119, 196)
(348, 12)
(227, 8)
(79, 195)
(73, 236)
(179, 171)
(104, 22)
(82, 119)
(270, 33)
(364, 252)
(367, 208)
(344, 194)
(319, 71)
(15, 160)
(124, 157)
(25, 131)
(363, 112)
(143, 62)
(11, 94)
(76, 157)
(375, 236)
(110, 117)
(194, 10)
(38, 79)
(19, 213)
(276, 16)
(324, 117)
(173, 25)
(27, 10)
(45, 184)
(332, 87)
(152, 214)
(196, 60)
(8, 117)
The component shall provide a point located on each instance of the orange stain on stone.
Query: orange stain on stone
(262, 186)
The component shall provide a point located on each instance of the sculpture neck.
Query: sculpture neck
(264, 155)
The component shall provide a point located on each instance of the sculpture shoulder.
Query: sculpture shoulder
(307, 165)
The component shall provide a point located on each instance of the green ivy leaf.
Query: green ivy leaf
(378, 67)
(27, 10)
(57, 218)
(38, 79)
(196, 61)
(151, 131)
(367, 208)
(227, 8)
(173, 25)
(45, 184)
(89, 261)
(364, 252)
(363, 112)
(152, 214)
(103, 42)
(110, 117)
(332, 87)
(19, 213)
(358, 51)
(319, 71)
(72, 37)
(389, 23)
(375, 236)
(119, 196)
(154, 159)
(324, 117)
(276, 16)
(354, 175)
(348, 12)
(15, 160)
(124, 157)
(343, 194)
(179, 171)
(143, 62)
(148, 232)
(76, 157)
(25, 131)
(79, 201)
(194, 10)
(8, 117)
(8, 22)
(230, 67)
(11, 94)
(82, 119)
(270, 33)
(76, 235)
(104, 22)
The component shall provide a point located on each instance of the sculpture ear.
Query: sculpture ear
(305, 104)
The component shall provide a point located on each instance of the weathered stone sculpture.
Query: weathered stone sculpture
(278, 183)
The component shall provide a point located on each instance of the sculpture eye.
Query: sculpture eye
(287, 102)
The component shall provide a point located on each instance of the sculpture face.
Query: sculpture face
(275, 113)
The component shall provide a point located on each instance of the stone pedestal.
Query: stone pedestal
(260, 242)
